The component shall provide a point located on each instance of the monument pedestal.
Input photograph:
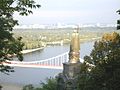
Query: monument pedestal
(68, 79)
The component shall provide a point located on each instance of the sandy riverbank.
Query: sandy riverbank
(31, 50)
(82, 41)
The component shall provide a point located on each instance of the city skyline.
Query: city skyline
(72, 12)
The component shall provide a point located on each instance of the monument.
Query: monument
(67, 80)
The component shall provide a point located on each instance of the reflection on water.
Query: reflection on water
(36, 75)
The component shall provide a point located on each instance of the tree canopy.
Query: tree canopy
(101, 70)
(10, 46)
(118, 11)
(51, 84)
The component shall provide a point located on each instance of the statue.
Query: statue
(67, 80)
(74, 48)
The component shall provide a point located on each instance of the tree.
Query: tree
(10, 46)
(118, 11)
(28, 87)
(118, 21)
(101, 70)
(51, 84)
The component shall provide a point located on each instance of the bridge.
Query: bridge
(50, 63)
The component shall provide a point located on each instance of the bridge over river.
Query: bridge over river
(50, 63)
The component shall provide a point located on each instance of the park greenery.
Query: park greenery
(51, 84)
(99, 71)
(118, 11)
(9, 45)
(118, 21)
(36, 38)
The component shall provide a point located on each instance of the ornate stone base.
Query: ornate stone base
(68, 79)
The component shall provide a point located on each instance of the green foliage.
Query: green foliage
(10, 46)
(28, 87)
(51, 84)
(118, 11)
(101, 70)
(36, 38)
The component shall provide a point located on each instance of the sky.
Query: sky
(72, 12)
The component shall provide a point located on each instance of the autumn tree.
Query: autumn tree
(101, 70)
(9, 45)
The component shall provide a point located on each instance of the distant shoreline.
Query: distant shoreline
(37, 49)
(31, 50)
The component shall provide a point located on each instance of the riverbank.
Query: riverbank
(31, 50)
(81, 41)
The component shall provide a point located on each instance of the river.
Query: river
(23, 76)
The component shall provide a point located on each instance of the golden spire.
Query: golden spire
(74, 54)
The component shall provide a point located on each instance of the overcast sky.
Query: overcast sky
(73, 12)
